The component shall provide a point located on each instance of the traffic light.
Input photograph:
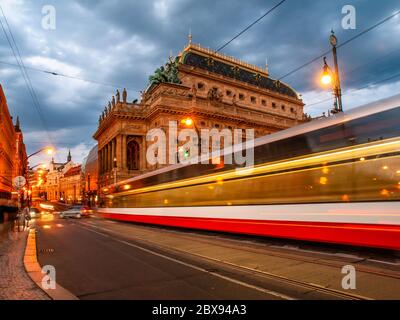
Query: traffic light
(187, 154)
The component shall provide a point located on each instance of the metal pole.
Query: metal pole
(199, 137)
(338, 90)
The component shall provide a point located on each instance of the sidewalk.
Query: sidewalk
(15, 284)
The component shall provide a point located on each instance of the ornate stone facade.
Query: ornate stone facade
(56, 171)
(13, 158)
(70, 186)
(215, 90)
(89, 177)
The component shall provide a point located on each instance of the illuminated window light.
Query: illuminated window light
(345, 198)
(385, 193)
(323, 180)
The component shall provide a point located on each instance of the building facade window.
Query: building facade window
(241, 96)
(264, 102)
(253, 100)
(273, 105)
(200, 86)
(133, 155)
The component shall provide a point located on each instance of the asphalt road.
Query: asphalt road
(94, 265)
(101, 259)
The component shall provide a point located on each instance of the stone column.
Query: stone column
(108, 157)
(99, 161)
(102, 160)
(118, 150)
(105, 158)
(124, 153)
(113, 152)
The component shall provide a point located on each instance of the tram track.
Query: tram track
(262, 249)
(310, 287)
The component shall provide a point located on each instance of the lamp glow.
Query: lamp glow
(326, 79)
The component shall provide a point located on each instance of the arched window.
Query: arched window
(133, 155)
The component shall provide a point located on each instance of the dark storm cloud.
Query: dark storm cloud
(122, 42)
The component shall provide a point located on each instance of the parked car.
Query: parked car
(73, 212)
(86, 211)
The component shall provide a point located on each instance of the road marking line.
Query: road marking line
(274, 276)
(385, 262)
(273, 293)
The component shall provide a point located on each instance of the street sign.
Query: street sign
(19, 182)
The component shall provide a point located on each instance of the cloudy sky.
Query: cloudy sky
(120, 43)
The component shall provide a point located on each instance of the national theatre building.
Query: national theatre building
(215, 90)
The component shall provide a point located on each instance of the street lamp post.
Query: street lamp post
(115, 170)
(328, 74)
(189, 122)
(47, 149)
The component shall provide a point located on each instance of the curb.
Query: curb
(34, 271)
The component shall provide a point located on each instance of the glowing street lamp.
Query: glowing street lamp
(49, 151)
(189, 122)
(326, 75)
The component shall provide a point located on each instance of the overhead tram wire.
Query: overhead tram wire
(250, 26)
(31, 90)
(247, 28)
(12, 49)
(136, 90)
(341, 45)
(107, 84)
(116, 86)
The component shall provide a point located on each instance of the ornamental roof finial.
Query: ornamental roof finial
(190, 36)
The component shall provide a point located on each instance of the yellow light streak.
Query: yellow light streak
(366, 150)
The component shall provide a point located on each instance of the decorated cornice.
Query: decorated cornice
(196, 48)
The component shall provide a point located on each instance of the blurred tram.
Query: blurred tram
(333, 180)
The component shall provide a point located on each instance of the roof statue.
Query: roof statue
(118, 95)
(124, 95)
(167, 73)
